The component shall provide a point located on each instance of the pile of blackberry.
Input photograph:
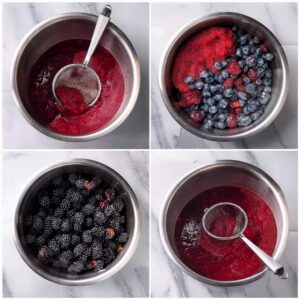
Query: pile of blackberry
(235, 95)
(78, 224)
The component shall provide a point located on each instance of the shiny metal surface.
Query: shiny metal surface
(224, 172)
(74, 26)
(279, 65)
(110, 176)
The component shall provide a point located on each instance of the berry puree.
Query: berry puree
(220, 260)
(77, 117)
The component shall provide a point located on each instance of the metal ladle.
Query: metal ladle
(232, 210)
(81, 76)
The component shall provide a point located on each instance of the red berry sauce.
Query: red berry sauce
(218, 260)
(68, 122)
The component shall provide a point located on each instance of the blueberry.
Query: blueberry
(209, 80)
(206, 126)
(221, 88)
(260, 72)
(258, 81)
(189, 79)
(245, 121)
(222, 117)
(267, 89)
(267, 81)
(246, 69)
(228, 93)
(214, 88)
(239, 117)
(241, 63)
(255, 116)
(191, 86)
(251, 61)
(218, 97)
(246, 50)
(205, 107)
(224, 63)
(265, 66)
(264, 98)
(253, 51)
(235, 28)
(220, 79)
(246, 110)
(268, 73)
(220, 125)
(199, 84)
(242, 102)
(252, 107)
(242, 96)
(223, 103)
(210, 101)
(204, 74)
(260, 62)
(250, 88)
(206, 94)
(213, 109)
(256, 40)
(246, 80)
(269, 56)
(244, 39)
(257, 52)
(206, 87)
(239, 52)
(218, 65)
(224, 74)
(233, 76)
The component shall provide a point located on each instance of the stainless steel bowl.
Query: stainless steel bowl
(230, 173)
(279, 65)
(132, 213)
(74, 26)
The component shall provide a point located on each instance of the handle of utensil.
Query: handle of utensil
(271, 263)
(101, 24)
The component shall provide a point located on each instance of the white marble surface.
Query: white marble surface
(19, 18)
(167, 19)
(167, 168)
(20, 281)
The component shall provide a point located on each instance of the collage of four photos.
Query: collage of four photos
(150, 149)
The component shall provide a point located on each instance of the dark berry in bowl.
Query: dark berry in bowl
(77, 222)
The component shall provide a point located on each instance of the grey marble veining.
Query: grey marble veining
(167, 168)
(19, 18)
(20, 281)
(167, 19)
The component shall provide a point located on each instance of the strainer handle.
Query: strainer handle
(270, 262)
(101, 24)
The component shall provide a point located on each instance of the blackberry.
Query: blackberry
(108, 210)
(97, 181)
(30, 238)
(114, 223)
(97, 250)
(76, 267)
(79, 250)
(87, 236)
(77, 227)
(58, 181)
(53, 247)
(110, 194)
(109, 244)
(40, 241)
(56, 223)
(77, 206)
(64, 240)
(65, 225)
(71, 213)
(41, 213)
(78, 218)
(118, 205)
(65, 258)
(91, 264)
(80, 183)
(74, 195)
(122, 238)
(83, 258)
(89, 222)
(58, 192)
(98, 231)
(44, 201)
(99, 217)
(65, 204)
(38, 224)
(92, 200)
(88, 209)
(75, 239)
(48, 226)
(108, 255)
(72, 178)
(56, 264)
(55, 201)
(59, 213)
(99, 194)
(28, 220)
(99, 265)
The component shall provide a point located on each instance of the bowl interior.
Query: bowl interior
(249, 25)
(26, 208)
(224, 175)
(66, 28)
